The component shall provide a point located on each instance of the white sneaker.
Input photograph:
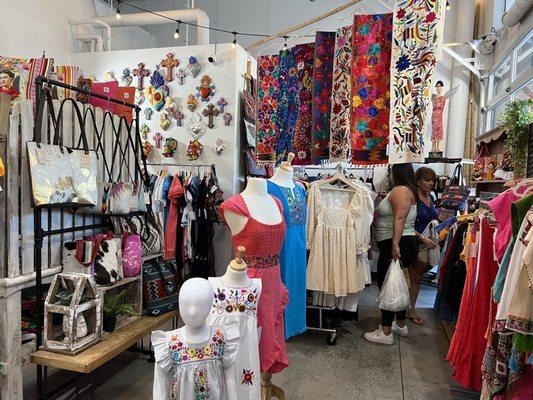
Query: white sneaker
(378, 336)
(400, 331)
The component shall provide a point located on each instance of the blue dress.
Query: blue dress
(293, 256)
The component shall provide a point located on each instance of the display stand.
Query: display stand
(121, 157)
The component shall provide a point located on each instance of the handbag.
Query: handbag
(131, 255)
(105, 259)
(146, 226)
(120, 198)
(456, 195)
(160, 287)
(61, 175)
(394, 294)
(433, 255)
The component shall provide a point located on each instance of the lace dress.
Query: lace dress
(338, 229)
(263, 244)
(238, 305)
(187, 371)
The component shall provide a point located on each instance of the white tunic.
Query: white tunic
(238, 305)
(187, 371)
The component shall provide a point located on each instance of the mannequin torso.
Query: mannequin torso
(261, 206)
(283, 177)
(233, 278)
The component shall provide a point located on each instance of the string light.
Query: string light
(448, 5)
(177, 33)
(234, 44)
(285, 44)
(117, 15)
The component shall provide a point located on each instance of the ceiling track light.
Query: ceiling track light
(177, 32)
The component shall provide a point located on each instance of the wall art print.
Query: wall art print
(267, 118)
(339, 137)
(414, 43)
(322, 80)
(370, 88)
(303, 56)
(287, 104)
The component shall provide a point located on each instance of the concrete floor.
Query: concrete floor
(353, 369)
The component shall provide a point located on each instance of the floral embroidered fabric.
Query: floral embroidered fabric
(237, 300)
(415, 41)
(267, 118)
(339, 141)
(322, 79)
(370, 88)
(181, 353)
(262, 262)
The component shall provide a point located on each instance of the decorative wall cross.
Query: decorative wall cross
(169, 63)
(227, 119)
(144, 131)
(179, 117)
(210, 111)
(181, 74)
(221, 104)
(148, 113)
(158, 138)
(140, 72)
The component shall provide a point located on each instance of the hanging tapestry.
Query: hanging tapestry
(370, 88)
(66, 74)
(127, 94)
(416, 26)
(108, 89)
(38, 67)
(322, 80)
(303, 56)
(339, 140)
(267, 97)
(287, 104)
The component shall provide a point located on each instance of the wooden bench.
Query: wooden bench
(112, 345)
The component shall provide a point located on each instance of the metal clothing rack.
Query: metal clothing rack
(130, 149)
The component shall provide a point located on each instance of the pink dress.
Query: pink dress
(263, 244)
(437, 125)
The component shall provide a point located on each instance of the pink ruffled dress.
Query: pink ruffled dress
(263, 244)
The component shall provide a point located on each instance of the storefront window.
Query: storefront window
(494, 114)
(524, 56)
(501, 77)
(525, 92)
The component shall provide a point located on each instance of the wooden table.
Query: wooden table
(112, 344)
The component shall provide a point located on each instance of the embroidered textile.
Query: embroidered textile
(69, 75)
(287, 104)
(238, 300)
(182, 353)
(415, 34)
(262, 262)
(339, 141)
(297, 205)
(370, 88)
(267, 118)
(303, 56)
(322, 80)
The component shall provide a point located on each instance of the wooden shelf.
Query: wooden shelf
(152, 256)
(112, 344)
(124, 281)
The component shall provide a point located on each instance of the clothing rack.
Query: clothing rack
(125, 147)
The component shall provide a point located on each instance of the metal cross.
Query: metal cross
(148, 113)
(222, 103)
(158, 138)
(181, 75)
(144, 131)
(169, 63)
(210, 111)
(179, 117)
(140, 72)
(227, 119)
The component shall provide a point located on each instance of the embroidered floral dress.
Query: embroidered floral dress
(293, 256)
(263, 243)
(238, 305)
(193, 371)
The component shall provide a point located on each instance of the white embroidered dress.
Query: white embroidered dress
(187, 371)
(238, 305)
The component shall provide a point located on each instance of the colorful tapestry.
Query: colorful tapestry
(370, 88)
(416, 27)
(267, 107)
(303, 56)
(322, 80)
(66, 74)
(339, 140)
(38, 67)
(287, 104)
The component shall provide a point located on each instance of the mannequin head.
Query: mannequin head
(439, 86)
(195, 301)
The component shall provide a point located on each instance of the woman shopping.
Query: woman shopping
(396, 239)
(425, 180)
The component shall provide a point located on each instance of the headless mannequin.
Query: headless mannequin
(195, 301)
(236, 275)
(261, 205)
(284, 174)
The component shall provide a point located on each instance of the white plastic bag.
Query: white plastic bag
(394, 295)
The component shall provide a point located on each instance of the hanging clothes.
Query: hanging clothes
(263, 243)
(267, 118)
(293, 255)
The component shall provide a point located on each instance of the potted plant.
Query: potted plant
(113, 307)
(515, 120)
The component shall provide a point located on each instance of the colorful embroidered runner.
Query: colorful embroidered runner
(416, 27)
(69, 75)
(370, 88)
(287, 104)
(339, 140)
(303, 56)
(322, 80)
(267, 107)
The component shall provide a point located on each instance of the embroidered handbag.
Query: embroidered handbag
(456, 195)
(131, 255)
(120, 198)
(146, 226)
(160, 287)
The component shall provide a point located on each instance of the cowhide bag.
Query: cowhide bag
(146, 226)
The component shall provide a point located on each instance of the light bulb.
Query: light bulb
(234, 44)
(117, 15)
(177, 33)
(448, 5)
